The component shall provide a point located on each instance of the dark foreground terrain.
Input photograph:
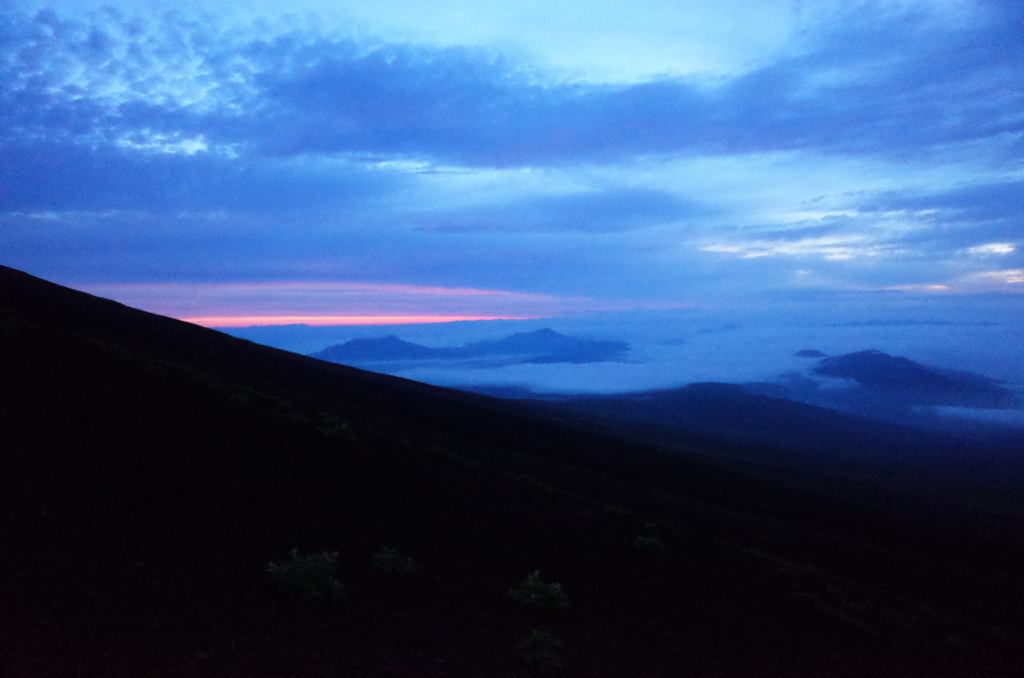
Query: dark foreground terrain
(150, 470)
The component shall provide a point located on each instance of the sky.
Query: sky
(381, 162)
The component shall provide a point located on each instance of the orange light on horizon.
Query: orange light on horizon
(249, 321)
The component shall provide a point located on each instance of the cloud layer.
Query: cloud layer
(877, 149)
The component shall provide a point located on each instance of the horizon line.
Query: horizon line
(322, 320)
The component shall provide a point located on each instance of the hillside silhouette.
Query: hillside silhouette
(541, 346)
(893, 389)
(916, 383)
(151, 469)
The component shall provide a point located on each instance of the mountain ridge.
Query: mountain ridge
(543, 346)
(152, 468)
(883, 372)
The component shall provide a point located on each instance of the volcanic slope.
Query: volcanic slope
(151, 469)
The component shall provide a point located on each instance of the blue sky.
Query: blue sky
(363, 162)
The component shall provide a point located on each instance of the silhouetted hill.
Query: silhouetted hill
(547, 346)
(151, 469)
(897, 390)
(922, 385)
(776, 429)
(375, 350)
(540, 346)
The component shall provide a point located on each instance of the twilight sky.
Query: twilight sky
(390, 161)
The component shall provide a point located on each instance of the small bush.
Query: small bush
(651, 546)
(335, 428)
(393, 564)
(458, 458)
(541, 649)
(537, 595)
(9, 327)
(312, 579)
(281, 411)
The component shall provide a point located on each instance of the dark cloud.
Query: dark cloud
(1000, 201)
(137, 134)
(595, 212)
(811, 229)
(959, 218)
(451, 104)
(55, 176)
(880, 83)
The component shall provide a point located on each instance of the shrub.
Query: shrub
(311, 579)
(8, 327)
(541, 650)
(335, 428)
(391, 563)
(651, 546)
(282, 411)
(537, 595)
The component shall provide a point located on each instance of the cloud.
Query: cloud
(611, 210)
(980, 219)
(48, 175)
(181, 147)
(834, 248)
(340, 320)
(882, 82)
(998, 279)
(615, 40)
(993, 248)
(239, 303)
(991, 201)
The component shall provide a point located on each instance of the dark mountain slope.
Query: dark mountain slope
(149, 469)
(803, 433)
(893, 389)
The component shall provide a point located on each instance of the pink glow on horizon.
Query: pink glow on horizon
(243, 304)
(249, 321)
(304, 286)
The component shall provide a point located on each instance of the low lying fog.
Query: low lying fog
(981, 334)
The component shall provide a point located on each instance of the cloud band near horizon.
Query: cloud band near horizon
(339, 303)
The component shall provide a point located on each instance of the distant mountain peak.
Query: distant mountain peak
(384, 348)
(882, 372)
(538, 346)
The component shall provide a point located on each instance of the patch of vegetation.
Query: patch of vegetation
(392, 563)
(618, 510)
(458, 458)
(546, 487)
(866, 608)
(9, 327)
(541, 650)
(987, 637)
(311, 579)
(281, 410)
(651, 546)
(537, 595)
(523, 478)
(335, 428)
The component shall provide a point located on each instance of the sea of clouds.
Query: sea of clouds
(983, 334)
